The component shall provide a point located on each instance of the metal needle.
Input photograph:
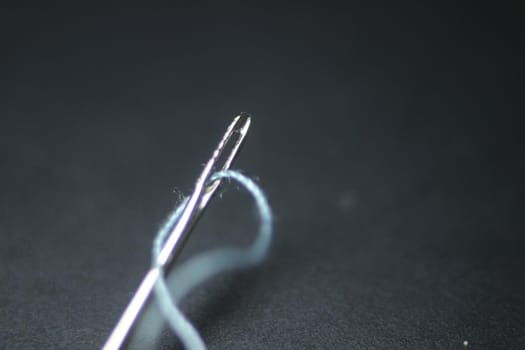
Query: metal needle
(202, 193)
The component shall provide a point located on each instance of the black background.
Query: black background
(386, 137)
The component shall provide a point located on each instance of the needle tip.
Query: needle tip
(242, 122)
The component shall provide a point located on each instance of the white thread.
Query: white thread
(207, 264)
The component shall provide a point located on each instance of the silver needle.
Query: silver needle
(202, 193)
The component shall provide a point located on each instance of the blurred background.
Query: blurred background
(387, 137)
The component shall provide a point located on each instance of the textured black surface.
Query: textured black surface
(387, 139)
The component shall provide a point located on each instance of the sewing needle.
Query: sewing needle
(202, 193)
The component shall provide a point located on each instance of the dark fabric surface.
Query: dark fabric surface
(387, 139)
